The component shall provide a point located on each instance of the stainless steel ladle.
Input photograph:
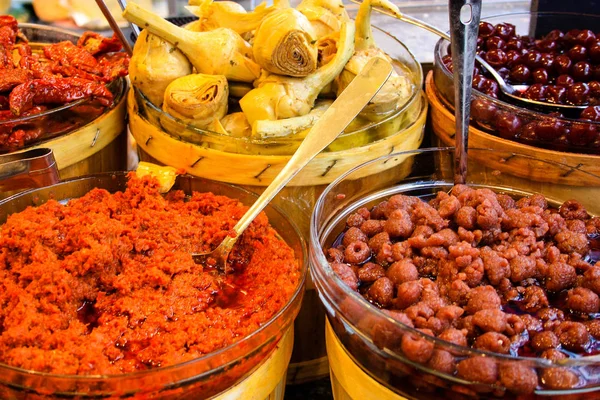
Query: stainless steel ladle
(508, 90)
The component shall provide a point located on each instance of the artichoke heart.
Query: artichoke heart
(325, 16)
(218, 52)
(284, 44)
(398, 88)
(227, 14)
(156, 63)
(277, 97)
(197, 99)
(164, 174)
(295, 126)
(236, 124)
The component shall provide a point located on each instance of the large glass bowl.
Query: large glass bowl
(370, 336)
(62, 119)
(493, 115)
(201, 378)
(360, 132)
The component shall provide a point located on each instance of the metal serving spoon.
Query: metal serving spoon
(464, 24)
(337, 117)
(508, 90)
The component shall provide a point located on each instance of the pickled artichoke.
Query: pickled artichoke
(398, 89)
(166, 175)
(197, 99)
(298, 126)
(218, 52)
(155, 64)
(227, 14)
(326, 16)
(278, 97)
(284, 44)
(236, 124)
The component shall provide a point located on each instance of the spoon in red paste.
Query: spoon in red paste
(335, 119)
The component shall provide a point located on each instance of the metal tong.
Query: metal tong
(464, 26)
(29, 169)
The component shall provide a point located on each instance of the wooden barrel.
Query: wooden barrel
(255, 172)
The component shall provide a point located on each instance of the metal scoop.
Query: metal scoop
(29, 169)
(509, 91)
(337, 117)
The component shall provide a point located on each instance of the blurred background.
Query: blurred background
(84, 14)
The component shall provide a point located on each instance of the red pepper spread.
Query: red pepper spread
(106, 285)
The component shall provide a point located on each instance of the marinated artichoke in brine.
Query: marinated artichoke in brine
(156, 63)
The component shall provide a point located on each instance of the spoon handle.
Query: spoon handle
(464, 26)
(337, 117)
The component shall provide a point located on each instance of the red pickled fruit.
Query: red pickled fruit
(586, 37)
(513, 57)
(565, 80)
(594, 89)
(520, 73)
(537, 92)
(496, 58)
(483, 110)
(508, 125)
(556, 94)
(582, 133)
(578, 93)
(562, 64)
(533, 59)
(514, 43)
(479, 82)
(582, 71)
(540, 75)
(503, 72)
(485, 29)
(547, 62)
(495, 42)
(546, 46)
(594, 52)
(556, 35)
(578, 53)
(591, 113)
(549, 129)
(570, 37)
(528, 132)
(505, 30)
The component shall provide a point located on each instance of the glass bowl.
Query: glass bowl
(373, 339)
(56, 121)
(517, 123)
(360, 132)
(200, 378)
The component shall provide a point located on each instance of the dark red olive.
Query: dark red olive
(578, 53)
(514, 43)
(528, 132)
(546, 46)
(594, 52)
(591, 113)
(520, 73)
(585, 37)
(596, 72)
(528, 41)
(496, 58)
(479, 82)
(540, 75)
(533, 59)
(480, 42)
(508, 125)
(594, 88)
(565, 80)
(562, 64)
(503, 72)
(556, 94)
(555, 35)
(582, 134)
(547, 62)
(513, 57)
(536, 91)
(582, 71)
(549, 129)
(491, 88)
(483, 110)
(485, 29)
(578, 93)
(570, 37)
(504, 30)
(495, 42)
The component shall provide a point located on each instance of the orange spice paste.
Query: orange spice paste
(106, 283)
